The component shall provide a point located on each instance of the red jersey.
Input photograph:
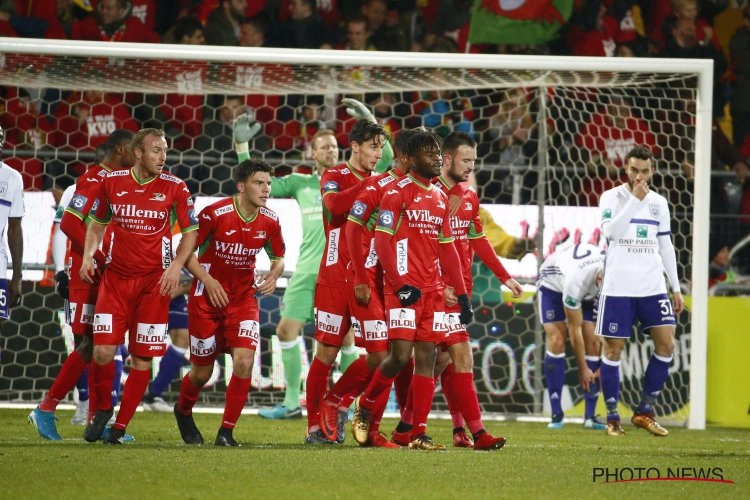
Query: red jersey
(467, 231)
(364, 213)
(416, 216)
(335, 258)
(228, 244)
(142, 214)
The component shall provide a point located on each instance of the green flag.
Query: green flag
(518, 22)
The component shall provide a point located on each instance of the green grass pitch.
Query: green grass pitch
(273, 463)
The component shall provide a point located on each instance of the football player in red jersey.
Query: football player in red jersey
(223, 308)
(140, 204)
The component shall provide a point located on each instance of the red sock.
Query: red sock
(236, 397)
(188, 396)
(135, 388)
(402, 383)
(407, 413)
(70, 371)
(447, 380)
(378, 385)
(424, 389)
(93, 400)
(464, 385)
(350, 384)
(103, 378)
(378, 410)
(315, 387)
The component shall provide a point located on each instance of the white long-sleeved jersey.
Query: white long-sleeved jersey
(572, 271)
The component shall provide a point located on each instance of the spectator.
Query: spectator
(253, 32)
(223, 23)
(111, 23)
(303, 30)
(689, 10)
(592, 32)
(356, 35)
(739, 56)
(384, 31)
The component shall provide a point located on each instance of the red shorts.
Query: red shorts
(455, 332)
(133, 306)
(420, 322)
(332, 317)
(368, 322)
(79, 309)
(215, 330)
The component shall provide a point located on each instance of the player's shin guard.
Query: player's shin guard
(554, 372)
(316, 385)
(610, 377)
(350, 385)
(103, 377)
(592, 395)
(657, 372)
(291, 358)
(188, 396)
(236, 397)
(402, 384)
(424, 389)
(465, 388)
(135, 388)
(448, 382)
(70, 371)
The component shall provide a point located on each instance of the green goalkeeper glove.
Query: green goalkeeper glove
(243, 131)
(356, 109)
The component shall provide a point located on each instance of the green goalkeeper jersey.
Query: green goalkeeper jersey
(305, 188)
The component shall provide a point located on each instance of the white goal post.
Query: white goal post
(131, 67)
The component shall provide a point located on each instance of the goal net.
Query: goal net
(552, 134)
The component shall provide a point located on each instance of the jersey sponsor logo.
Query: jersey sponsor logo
(200, 287)
(190, 202)
(249, 329)
(224, 210)
(653, 209)
(78, 202)
(268, 213)
(358, 209)
(417, 199)
(87, 314)
(70, 312)
(121, 193)
(330, 186)
(332, 248)
(151, 333)
(192, 217)
(402, 256)
(130, 210)
(356, 328)
(328, 322)
(102, 323)
(440, 322)
(202, 347)
(571, 301)
(423, 216)
(404, 182)
(385, 219)
(231, 232)
(372, 256)
(158, 197)
(172, 178)
(607, 213)
(227, 248)
(166, 252)
(386, 180)
(345, 171)
(641, 231)
(95, 206)
(459, 223)
(402, 318)
(116, 173)
(376, 330)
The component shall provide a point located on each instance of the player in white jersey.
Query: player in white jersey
(636, 223)
(11, 213)
(567, 287)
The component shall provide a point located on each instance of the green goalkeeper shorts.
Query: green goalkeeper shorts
(298, 297)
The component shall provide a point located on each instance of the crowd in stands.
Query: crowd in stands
(590, 131)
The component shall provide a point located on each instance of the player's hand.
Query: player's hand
(14, 289)
(514, 287)
(362, 294)
(450, 296)
(679, 303)
(467, 312)
(356, 109)
(266, 284)
(640, 189)
(62, 284)
(585, 377)
(244, 128)
(88, 271)
(454, 203)
(217, 296)
(170, 280)
(408, 295)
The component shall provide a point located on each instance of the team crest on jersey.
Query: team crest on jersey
(653, 209)
(202, 347)
(402, 318)
(224, 210)
(385, 219)
(328, 322)
(3, 188)
(249, 329)
(550, 315)
(268, 213)
(192, 216)
(95, 206)
(78, 202)
(330, 186)
(375, 330)
(440, 204)
(358, 209)
(260, 234)
(468, 206)
(158, 197)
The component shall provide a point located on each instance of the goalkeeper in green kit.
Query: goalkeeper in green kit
(297, 304)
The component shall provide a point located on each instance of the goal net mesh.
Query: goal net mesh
(549, 139)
